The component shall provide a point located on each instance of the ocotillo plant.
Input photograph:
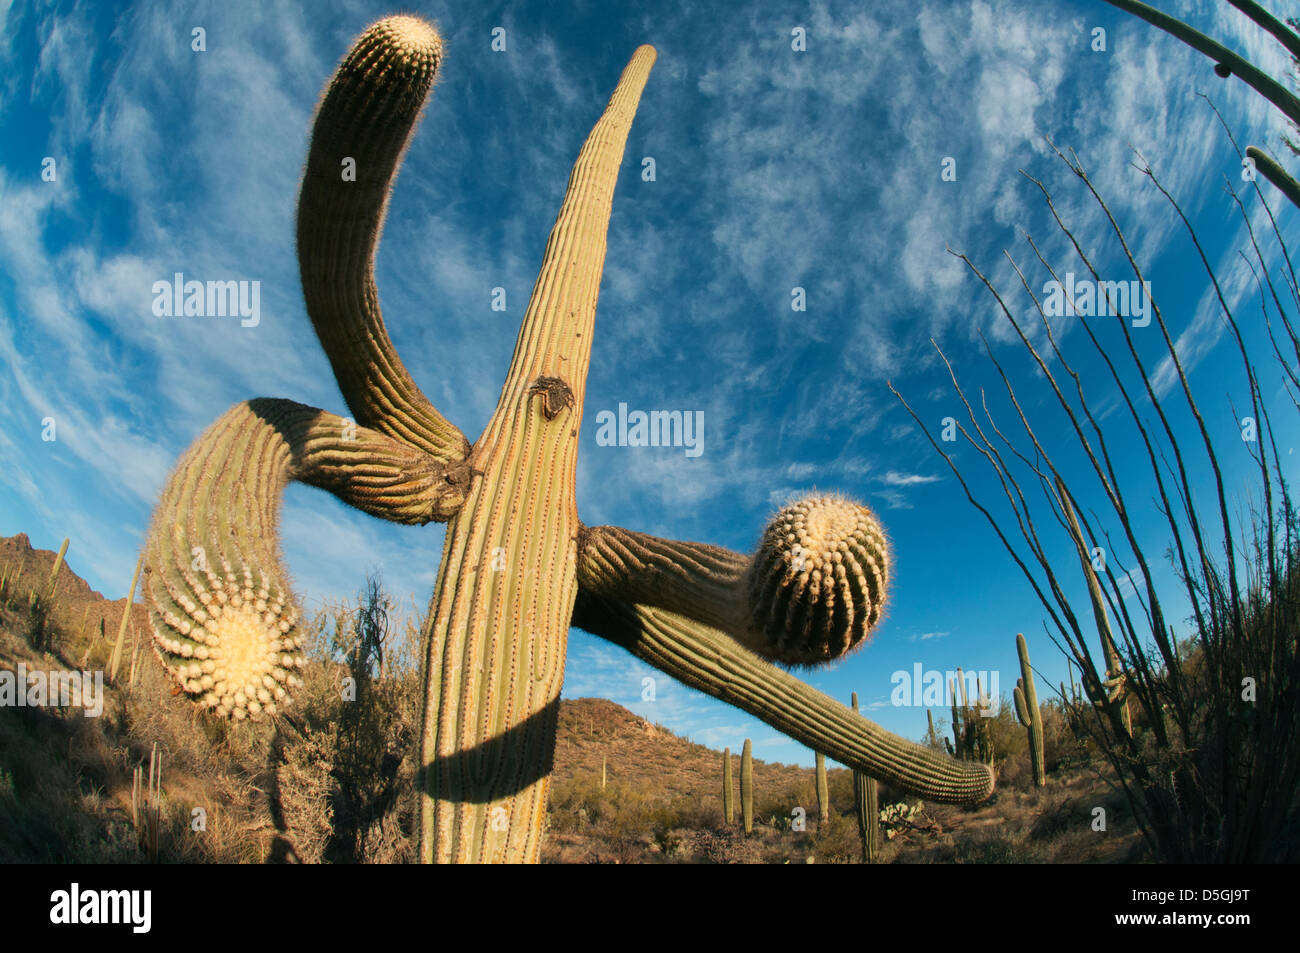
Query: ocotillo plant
(1027, 710)
(823, 791)
(866, 805)
(518, 566)
(1228, 63)
(747, 786)
(728, 790)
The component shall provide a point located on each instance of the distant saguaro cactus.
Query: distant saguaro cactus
(728, 790)
(823, 792)
(866, 805)
(52, 584)
(1027, 710)
(972, 739)
(226, 623)
(747, 786)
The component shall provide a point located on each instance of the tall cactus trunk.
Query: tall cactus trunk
(728, 790)
(866, 804)
(496, 641)
(823, 792)
(747, 786)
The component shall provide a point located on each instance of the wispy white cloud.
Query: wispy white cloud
(894, 478)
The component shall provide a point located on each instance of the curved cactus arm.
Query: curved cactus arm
(1022, 707)
(223, 616)
(1281, 32)
(361, 130)
(1258, 80)
(709, 660)
(812, 592)
(1269, 168)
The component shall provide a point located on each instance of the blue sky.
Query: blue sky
(775, 168)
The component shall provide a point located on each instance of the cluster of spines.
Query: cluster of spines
(818, 583)
(235, 648)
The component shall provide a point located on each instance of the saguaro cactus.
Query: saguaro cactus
(823, 791)
(866, 805)
(1113, 692)
(518, 567)
(728, 789)
(747, 786)
(972, 739)
(1027, 710)
(51, 584)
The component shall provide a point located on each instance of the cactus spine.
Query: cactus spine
(1030, 715)
(747, 786)
(823, 791)
(728, 790)
(866, 804)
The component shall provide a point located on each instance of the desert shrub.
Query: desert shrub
(773, 804)
(838, 841)
(725, 846)
(345, 771)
